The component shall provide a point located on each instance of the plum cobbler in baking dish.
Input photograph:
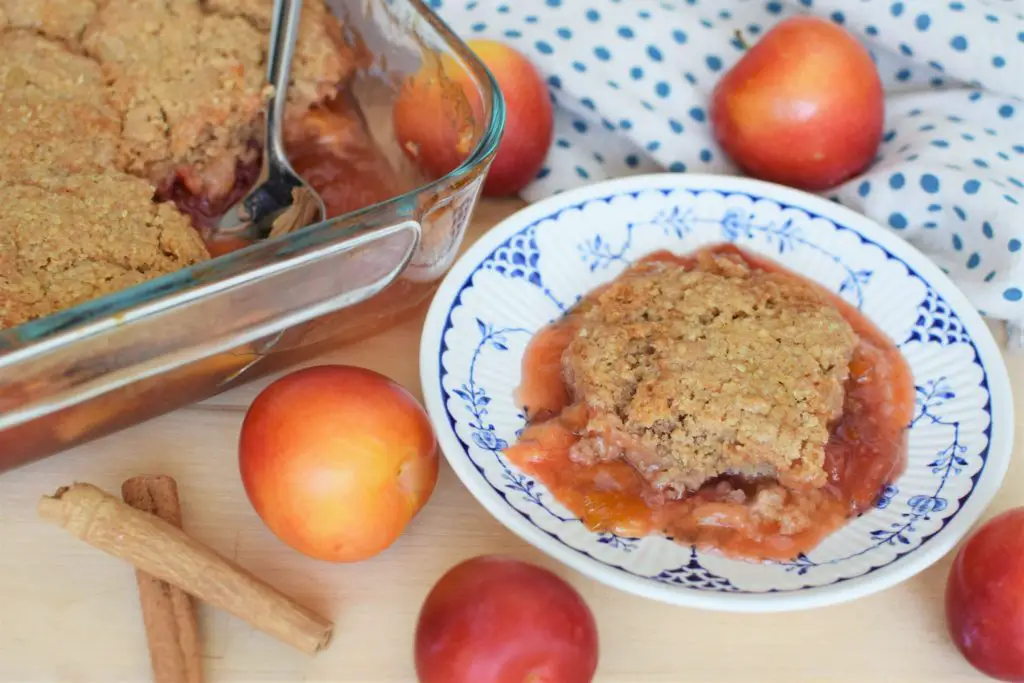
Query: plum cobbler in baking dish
(126, 126)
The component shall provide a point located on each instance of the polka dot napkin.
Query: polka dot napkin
(631, 80)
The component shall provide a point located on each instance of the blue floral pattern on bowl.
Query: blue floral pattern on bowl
(530, 269)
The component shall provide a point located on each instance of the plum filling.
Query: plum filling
(330, 146)
(615, 484)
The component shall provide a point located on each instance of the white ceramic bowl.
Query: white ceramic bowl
(528, 269)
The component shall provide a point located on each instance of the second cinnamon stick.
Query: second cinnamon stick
(168, 612)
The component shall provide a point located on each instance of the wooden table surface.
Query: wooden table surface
(70, 613)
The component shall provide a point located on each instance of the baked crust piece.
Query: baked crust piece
(61, 19)
(189, 77)
(187, 85)
(55, 113)
(186, 82)
(65, 240)
(105, 102)
(719, 370)
(321, 61)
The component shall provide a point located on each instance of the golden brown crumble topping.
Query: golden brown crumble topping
(55, 111)
(321, 60)
(96, 92)
(187, 85)
(722, 369)
(61, 19)
(67, 240)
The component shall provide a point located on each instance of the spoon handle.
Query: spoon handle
(283, 35)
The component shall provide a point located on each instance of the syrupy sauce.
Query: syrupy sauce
(330, 147)
(865, 452)
(204, 211)
(335, 153)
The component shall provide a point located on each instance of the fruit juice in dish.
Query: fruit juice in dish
(718, 400)
(330, 147)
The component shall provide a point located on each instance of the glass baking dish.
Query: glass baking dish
(123, 358)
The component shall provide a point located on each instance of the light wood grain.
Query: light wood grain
(69, 613)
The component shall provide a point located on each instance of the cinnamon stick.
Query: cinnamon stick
(168, 553)
(168, 612)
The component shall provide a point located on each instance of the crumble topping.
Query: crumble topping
(65, 240)
(55, 112)
(61, 19)
(105, 102)
(187, 84)
(718, 370)
(321, 59)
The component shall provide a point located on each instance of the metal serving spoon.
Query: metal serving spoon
(280, 201)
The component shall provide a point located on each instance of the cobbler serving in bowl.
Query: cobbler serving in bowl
(716, 399)
(716, 392)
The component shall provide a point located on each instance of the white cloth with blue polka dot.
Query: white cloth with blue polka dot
(631, 80)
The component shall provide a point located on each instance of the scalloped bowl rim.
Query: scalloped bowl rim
(895, 572)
